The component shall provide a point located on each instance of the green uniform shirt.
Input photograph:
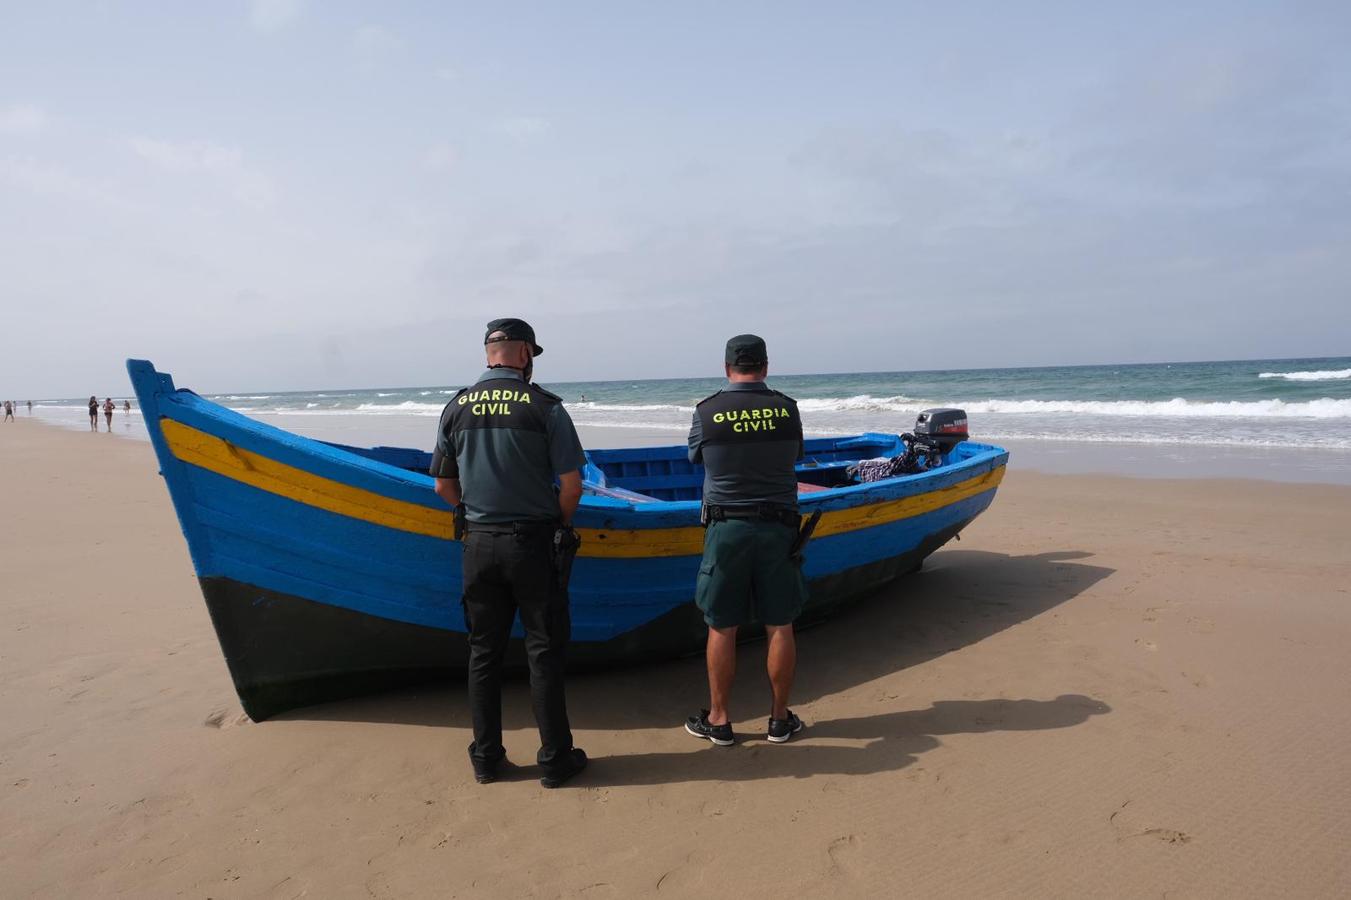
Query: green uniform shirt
(506, 441)
(749, 439)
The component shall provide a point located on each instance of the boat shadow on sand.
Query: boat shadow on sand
(960, 598)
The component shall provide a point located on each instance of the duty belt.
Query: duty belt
(760, 512)
(534, 527)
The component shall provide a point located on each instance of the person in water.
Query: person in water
(9, 410)
(108, 408)
(749, 439)
(93, 413)
(126, 407)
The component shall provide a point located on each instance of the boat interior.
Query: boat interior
(664, 474)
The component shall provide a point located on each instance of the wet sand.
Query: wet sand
(1109, 687)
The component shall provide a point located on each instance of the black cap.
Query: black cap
(513, 330)
(747, 350)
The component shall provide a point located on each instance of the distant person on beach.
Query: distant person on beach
(749, 439)
(9, 411)
(30, 407)
(93, 413)
(108, 408)
(499, 446)
(126, 407)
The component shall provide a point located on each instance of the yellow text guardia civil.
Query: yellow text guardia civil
(495, 402)
(758, 419)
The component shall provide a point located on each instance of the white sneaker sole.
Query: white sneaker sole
(719, 742)
(784, 738)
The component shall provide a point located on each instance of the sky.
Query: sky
(289, 194)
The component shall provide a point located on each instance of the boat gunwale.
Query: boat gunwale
(362, 472)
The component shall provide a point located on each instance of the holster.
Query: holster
(458, 517)
(566, 544)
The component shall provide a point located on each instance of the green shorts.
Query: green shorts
(746, 575)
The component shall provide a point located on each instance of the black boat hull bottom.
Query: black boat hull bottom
(286, 652)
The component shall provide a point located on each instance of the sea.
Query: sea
(1287, 419)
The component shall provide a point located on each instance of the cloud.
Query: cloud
(23, 119)
(203, 157)
(439, 158)
(271, 16)
(49, 180)
(523, 128)
(446, 73)
(373, 44)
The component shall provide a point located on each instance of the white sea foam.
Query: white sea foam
(1326, 408)
(630, 407)
(407, 407)
(861, 403)
(1322, 375)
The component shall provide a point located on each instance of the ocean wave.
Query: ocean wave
(1326, 408)
(1272, 442)
(1178, 407)
(818, 407)
(1323, 375)
(406, 407)
(861, 403)
(629, 407)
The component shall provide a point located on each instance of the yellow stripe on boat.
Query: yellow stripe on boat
(220, 456)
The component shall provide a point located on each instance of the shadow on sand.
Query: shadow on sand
(894, 740)
(961, 597)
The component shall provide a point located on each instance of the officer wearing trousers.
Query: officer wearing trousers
(500, 445)
(749, 439)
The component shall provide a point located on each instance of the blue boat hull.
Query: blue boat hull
(330, 571)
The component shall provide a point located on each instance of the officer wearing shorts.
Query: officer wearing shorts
(499, 447)
(749, 439)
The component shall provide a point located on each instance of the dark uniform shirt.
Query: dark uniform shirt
(505, 440)
(749, 439)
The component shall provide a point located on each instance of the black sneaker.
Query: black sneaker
(573, 763)
(718, 734)
(781, 730)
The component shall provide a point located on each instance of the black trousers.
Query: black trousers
(504, 574)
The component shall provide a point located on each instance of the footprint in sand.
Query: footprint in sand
(841, 852)
(1128, 825)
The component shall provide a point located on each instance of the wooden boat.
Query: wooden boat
(330, 571)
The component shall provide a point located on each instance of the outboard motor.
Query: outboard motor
(937, 431)
(944, 427)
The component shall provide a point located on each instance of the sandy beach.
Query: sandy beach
(1110, 687)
